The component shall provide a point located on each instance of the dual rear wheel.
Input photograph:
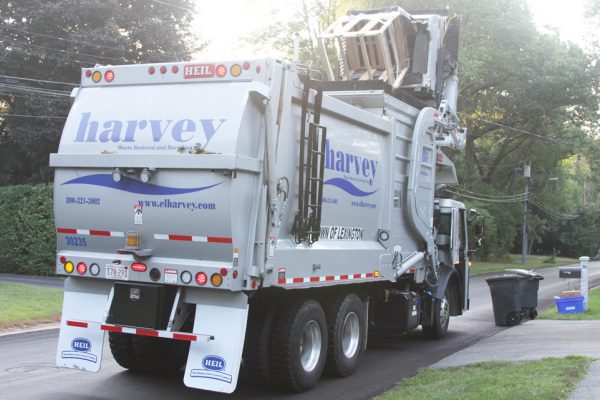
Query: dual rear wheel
(305, 340)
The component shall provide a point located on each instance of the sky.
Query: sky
(227, 22)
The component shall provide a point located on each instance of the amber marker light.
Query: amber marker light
(216, 280)
(69, 267)
(97, 76)
(235, 70)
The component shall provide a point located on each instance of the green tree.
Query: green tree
(52, 41)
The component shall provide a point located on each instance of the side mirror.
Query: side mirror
(476, 230)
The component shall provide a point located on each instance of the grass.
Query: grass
(548, 379)
(514, 261)
(592, 313)
(23, 305)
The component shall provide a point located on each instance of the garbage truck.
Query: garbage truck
(258, 217)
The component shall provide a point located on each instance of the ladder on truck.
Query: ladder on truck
(307, 222)
(370, 45)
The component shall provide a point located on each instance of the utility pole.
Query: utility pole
(527, 175)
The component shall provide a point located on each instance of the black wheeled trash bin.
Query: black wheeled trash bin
(506, 298)
(529, 290)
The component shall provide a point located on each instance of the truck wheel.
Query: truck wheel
(346, 322)
(120, 347)
(299, 345)
(441, 319)
(159, 354)
(256, 369)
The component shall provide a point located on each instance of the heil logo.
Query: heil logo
(81, 344)
(213, 363)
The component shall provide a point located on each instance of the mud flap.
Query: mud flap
(78, 347)
(215, 365)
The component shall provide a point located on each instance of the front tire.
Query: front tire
(299, 345)
(347, 334)
(441, 319)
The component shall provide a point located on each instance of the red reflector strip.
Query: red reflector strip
(77, 324)
(142, 332)
(182, 336)
(219, 240)
(89, 232)
(67, 230)
(99, 233)
(111, 328)
(190, 238)
(180, 237)
(328, 278)
(146, 332)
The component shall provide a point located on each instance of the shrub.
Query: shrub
(27, 235)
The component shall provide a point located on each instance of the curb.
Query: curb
(30, 330)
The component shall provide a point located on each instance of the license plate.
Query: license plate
(117, 272)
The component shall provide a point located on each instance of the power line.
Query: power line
(35, 90)
(32, 96)
(164, 3)
(93, 56)
(38, 80)
(537, 135)
(49, 56)
(516, 200)
(512, 196)
(31, 116)
(552, 213)
(62, 39)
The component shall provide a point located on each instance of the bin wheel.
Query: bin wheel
(513, 318)
(533, 313)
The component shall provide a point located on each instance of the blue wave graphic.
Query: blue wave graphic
(133, 186)
(347, 187)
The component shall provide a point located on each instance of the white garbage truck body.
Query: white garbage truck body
(214, 216)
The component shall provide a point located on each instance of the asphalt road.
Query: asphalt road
(45, 281)
(27, 368)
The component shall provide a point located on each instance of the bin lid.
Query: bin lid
(505, 277)
(526, 273)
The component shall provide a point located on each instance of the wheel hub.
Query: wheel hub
(310, 346)
(350, 334)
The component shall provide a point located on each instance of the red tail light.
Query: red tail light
(81, 268)
(201, 278)
(139, 267)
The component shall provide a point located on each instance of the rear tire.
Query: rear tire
(120, 347)
(159, 354)
(441, 319)
(347, 334)
(299, 345)
(256, 368)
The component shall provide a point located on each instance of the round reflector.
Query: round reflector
(236, 70)
(81, 268)
(97, 76)
(216, 280)
(151, 70)
(163, 70)
(174, 69)
(221, 71)
(109, 75)
(69, 267)
(94, 269)
(258, 69)
(246, 66)
(186, 277)
(201, 278)
(88, 73)
(62, 259)
(223, 271)
(235, 274)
